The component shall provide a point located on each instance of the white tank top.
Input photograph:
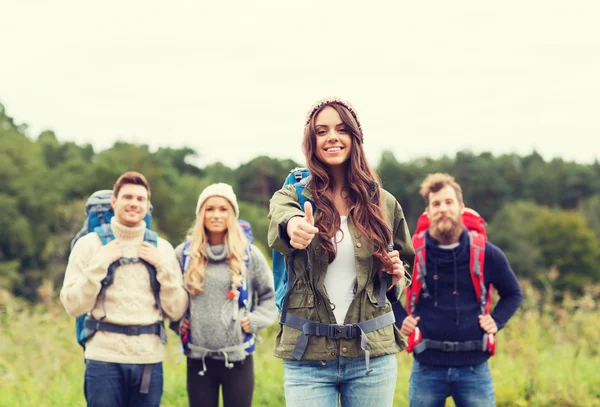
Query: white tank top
(341, 273)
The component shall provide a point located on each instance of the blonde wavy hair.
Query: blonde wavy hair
(235, 243)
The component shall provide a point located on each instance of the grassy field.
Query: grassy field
(547, 356)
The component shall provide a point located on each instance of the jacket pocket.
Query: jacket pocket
(301, 300)
(301, 304)
(373, 296)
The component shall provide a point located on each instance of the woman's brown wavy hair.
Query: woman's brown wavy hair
(362, 183)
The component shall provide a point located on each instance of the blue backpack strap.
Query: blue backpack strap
(244, 302)
(105, 233)
(185, 256)
(243, 298)
(302, 177)
(151, 237)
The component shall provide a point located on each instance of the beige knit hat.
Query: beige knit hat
(220, 189)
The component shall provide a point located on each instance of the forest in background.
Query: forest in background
(544, 214)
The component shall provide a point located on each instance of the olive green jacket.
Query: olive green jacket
(309, 299)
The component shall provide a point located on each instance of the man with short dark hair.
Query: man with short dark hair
(124, 348)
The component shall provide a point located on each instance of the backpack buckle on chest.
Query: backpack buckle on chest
(340, 331)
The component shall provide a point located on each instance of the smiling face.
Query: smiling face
(333, 139)
(131, 204)
(217, 211)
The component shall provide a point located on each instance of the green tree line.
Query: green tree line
(544, 214)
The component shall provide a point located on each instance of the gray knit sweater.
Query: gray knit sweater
(213, 323)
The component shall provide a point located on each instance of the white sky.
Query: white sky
(235, 79)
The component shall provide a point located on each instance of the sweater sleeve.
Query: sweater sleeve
(173, 297)
(499, 273)
(265, 311)
(85, 271)
(399, 312)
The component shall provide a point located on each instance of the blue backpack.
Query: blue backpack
(98, 213)
(244, 302)
(300, 178)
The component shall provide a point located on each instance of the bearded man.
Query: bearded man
(449, 312)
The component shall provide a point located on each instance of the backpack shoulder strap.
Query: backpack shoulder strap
(105, 233)
(243, 300)
(300, 187)
(151, 237)
(413, 291)
(299, 177)
(185, 256)
(476, 266)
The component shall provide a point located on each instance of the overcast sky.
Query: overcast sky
(235, 79)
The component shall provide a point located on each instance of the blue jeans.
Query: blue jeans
(469, 386)
(311, 383)
(118, 385)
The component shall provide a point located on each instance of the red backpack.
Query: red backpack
(477, 238)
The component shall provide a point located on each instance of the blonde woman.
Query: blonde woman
(220, 265)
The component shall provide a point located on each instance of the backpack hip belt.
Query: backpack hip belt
(447, 346)
(223, 351)
(336, 332)
(92, 325)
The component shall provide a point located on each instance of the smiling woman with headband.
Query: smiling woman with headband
(346, 248)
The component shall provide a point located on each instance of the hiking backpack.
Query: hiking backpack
(284, 281)
(243, 302)
(477, 240)
(299, 177)
(98, 214)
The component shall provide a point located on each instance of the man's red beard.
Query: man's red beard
(446, 229)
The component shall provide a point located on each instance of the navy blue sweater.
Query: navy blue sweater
(448, 317)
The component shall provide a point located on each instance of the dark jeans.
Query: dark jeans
(118, 385)
(237, 383)
(469, 386)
